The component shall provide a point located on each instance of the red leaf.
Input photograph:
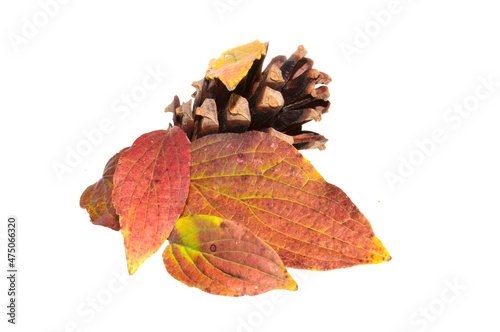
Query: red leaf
(151, 186)
(97, 198)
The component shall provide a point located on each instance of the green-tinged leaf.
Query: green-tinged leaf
(222, 257)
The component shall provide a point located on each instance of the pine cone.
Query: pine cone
(236, 95)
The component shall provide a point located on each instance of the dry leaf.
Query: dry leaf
(233, 65)
(265, 184)
(223, 257)
(97, 198)
(151, 186)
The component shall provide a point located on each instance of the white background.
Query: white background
(440, 224)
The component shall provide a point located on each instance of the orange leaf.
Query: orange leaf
(97, 198)
(233, 65)
(223, 257)
(267, 185)
(151, 186)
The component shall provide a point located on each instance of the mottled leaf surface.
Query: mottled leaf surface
(223, 257)
(151, 186)
(97, 198)
(233, 65)
(265, 184)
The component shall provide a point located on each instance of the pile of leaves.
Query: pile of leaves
(227, 186)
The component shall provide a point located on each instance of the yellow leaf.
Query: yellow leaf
(233, 65)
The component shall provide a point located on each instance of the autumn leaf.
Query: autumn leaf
(265, 184)
(239, 204)
(97, 198)
(151, 186)
(222, 257)
(233, 65)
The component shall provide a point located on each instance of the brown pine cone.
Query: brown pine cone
(236, 95)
